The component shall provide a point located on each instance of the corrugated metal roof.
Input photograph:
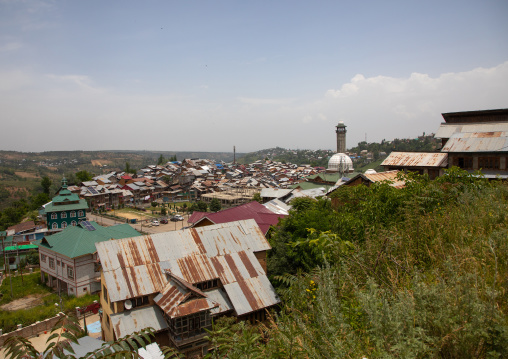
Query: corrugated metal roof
(219, 296)
(386, 176)
(447, 130)
(416, 159)
(496, 141)
(262, 215)
(138, 266)
(131, 321)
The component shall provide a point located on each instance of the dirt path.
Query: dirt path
(27, 302)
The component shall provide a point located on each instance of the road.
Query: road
(143, 227)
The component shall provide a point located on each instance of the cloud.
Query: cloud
(388, 107)
(85, 114)
(265, 101)
(11, 46)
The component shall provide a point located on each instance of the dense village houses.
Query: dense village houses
(177, 282)
(68, 259)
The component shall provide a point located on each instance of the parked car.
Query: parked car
(163, 221)
(174, 219)
(155, 223)
(178, 217)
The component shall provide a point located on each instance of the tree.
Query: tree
(202, 206)
(215, 205)
(257, 197)
(161, 160)
(154, 204)
(83, 176)
(128, 168)
(46, 184)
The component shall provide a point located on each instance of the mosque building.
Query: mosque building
(340, 162)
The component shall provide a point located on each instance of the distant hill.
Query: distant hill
(321, 157)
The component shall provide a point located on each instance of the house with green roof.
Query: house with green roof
(68, 259)
(66, 209)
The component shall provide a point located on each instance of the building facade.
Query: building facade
(66, 209)
(68, 259)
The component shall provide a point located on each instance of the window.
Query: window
(53, 215)
(57, 262)
(64, 224)
(73, 223)
(70, 272)
(43, 258)
(54, 226)
(464, 162)
(488, 163)
(105, 293)
(52, 263)
(63, 215)
(208, 284)
(73, 214)
(80, 213)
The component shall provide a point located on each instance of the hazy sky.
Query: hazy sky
(208, 75)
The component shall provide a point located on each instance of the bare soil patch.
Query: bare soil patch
(131, 215)
(101, 162)
(27, 302)
(26, 174)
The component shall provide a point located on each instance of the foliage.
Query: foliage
(257, 197)
(215, 205)
(83, 176)
(202, 206)
(154, 204)
(46, 184)
(417, 272)
(31, 285)
(231, 339)
(128, 168)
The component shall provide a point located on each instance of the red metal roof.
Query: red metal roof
(252, 210)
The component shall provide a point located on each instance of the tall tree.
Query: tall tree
(46, 184)
(83, 176)
(215, 205)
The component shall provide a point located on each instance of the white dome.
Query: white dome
(370, 171)
(340, 161)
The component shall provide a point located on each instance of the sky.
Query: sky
(210, 75)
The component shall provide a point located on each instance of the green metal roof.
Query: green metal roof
(51, 207)
(24, 246)
(76, 241)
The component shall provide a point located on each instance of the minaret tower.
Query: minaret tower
(341, 137)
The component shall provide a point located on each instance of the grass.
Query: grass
(32, 285)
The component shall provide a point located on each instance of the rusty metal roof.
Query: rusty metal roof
(447, 130)
(139, 266)
(496, 141)
(131, 321)
(386, 176)
(416, 159)
(219, 296)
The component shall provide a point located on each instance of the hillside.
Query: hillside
(380, 272)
